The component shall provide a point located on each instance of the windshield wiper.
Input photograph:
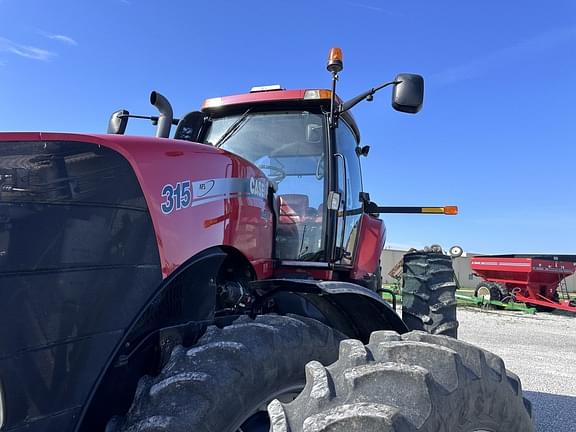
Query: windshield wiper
(234, 127)
(300, 254)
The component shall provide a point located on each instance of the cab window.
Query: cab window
(350, 185)
(288, 146)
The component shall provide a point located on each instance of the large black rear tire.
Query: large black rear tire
(429, 293)
(416, 382)
(226, 380)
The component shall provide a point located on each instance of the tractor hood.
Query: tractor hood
(90, 225)
(78, 259)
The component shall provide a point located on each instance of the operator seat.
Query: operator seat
(293, 206)
(291, 213)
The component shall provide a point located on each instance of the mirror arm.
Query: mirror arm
(446, 210)
(354, 101)
(153, 119)
(372, 208)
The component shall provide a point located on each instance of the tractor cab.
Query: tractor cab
(286, 134)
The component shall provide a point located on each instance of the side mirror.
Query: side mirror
(363, 151)
(118, 122)
(408, 94)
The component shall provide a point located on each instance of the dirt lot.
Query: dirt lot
(541, 350)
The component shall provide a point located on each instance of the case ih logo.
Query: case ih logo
(258, 187)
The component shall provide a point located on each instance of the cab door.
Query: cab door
(350, 186)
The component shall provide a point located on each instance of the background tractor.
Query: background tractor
(223, 280)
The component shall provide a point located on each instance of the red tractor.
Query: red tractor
(224, 280)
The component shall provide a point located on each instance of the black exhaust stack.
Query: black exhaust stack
(166, 114)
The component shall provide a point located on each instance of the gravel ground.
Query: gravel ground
(540, 349)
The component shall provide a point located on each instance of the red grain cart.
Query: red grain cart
(534, 280)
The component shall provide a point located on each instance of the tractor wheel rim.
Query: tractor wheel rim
(484, 292)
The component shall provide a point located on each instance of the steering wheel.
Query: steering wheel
(277, 174)
(320, 168)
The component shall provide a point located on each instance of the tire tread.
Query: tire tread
(413, 383)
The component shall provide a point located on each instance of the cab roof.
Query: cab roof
(269, 96)
(277, 98)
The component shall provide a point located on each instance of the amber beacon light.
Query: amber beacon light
(335, 63)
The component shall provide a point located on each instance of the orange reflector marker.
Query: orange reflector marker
(335, 63)
(451, 210)
(214, 221)
(447, 210)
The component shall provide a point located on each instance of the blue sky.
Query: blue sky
(497, 134)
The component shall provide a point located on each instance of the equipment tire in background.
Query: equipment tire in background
(230, 375)
(456, 251)
(416, 382)
(489, 291)
(429, 293)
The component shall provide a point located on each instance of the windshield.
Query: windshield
(288, 146)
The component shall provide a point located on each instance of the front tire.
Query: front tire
(226, 380)
(416, 382)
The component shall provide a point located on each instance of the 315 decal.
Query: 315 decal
(176, 197)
